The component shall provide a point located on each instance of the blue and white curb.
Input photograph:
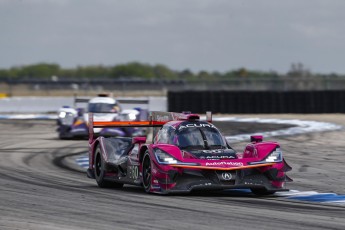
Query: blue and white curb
(83, 161)
(309, 196)
(312, 196)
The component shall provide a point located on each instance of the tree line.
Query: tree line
(136, 70)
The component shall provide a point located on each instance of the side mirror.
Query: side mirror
(138, 140)
(209, 116)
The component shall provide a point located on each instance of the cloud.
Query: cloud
(196, 34)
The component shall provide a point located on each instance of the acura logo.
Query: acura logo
(226, 176)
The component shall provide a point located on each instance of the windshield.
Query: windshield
(103, 108)
(200, 138)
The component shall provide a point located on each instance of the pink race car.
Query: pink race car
(181, 153)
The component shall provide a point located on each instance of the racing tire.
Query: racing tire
(261, 191)
(147, 171)
(63, 136)
(99, 171)
(64, 133)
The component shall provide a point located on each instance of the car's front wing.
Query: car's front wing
(188, 179)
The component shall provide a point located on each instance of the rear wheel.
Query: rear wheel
(261, 191)
(64, 132)
(147, 171)
(99, 170)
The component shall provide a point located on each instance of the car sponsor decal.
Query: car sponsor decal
(224, 163)
(194, 125)
(226, 176)
(215, 157)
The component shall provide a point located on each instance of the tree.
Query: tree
(163, 72)
(133, 69)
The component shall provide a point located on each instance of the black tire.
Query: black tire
(262, 191)
(64, 132)
(147, 171)
(99, 170)
(63, 136)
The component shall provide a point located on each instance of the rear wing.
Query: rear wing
(122, 124)
(156, 120)
(133, 101)
(78, 100)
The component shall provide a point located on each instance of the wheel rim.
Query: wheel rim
(147, 172)
(98, 165)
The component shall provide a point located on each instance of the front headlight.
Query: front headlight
(132, 116)
(66, 118)
(275, 156)
(164, 158)
(62, 114)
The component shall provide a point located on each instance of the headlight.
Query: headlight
(275, 156)
(164, 158)
(132, 116)
(66, 118)
(62, 114)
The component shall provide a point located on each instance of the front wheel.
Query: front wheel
(99, 170)
(261, 191)
(147, 171)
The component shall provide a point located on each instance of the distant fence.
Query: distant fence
(159, 87)
(332, 101)
(87, 88)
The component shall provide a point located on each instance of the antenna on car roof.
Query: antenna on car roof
(209, 116)
(103, 95)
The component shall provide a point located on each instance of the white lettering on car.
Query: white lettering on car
(196, 126)
(225, 163)
(162, 118)
(219, 157)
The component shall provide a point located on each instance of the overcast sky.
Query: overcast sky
(211, 35)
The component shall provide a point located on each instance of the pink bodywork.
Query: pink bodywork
(255, 151)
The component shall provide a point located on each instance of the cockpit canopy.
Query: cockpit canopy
(192, 135)
(103, 108)
(103, 105)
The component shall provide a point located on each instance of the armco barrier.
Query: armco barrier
(332, 101)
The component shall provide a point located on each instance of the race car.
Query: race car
(73, 122)
(184, 154)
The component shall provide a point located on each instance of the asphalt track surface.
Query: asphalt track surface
(38, 192)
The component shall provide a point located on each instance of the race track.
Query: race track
(37, 193)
